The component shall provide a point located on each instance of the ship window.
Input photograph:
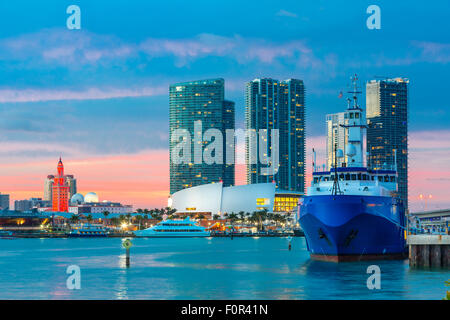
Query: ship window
(364, 177)
(392, 178)
(316, 180)
(353, 176)
(359, 176)
(341, 176)
(351, 115)
(347, 177)
(357, 115)
(380, 178)
(386, 178)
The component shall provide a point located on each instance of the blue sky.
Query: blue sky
(104, 89)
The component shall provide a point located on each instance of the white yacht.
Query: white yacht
(173, 229)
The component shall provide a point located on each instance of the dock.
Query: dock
(429, 250)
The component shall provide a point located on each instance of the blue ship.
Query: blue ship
(353, 212)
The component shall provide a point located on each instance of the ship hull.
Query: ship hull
(353, 227)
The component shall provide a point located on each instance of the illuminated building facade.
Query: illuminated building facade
(271, 104)
(216, 199)
(190, 102)
(387, 132)
(60, 195)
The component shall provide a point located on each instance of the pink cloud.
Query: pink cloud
(142, 178)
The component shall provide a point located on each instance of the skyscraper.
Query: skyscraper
(72, 182)
(4, 201)
(271, 104)
(190, 102)
(387, 132)
(336, 135)
(48, 186)
(60, 196)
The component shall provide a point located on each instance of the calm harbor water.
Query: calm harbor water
(199, 268)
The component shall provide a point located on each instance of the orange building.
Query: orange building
(60, 191)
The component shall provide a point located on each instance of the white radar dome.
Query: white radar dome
(77, 198)
(351, 150)
(91, 197)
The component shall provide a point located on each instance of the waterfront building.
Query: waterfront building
(336, 136)
(271, 104)
(100, 208)
(60, 195)
(189, 102)
(25, 205)
(387, 132)
(23, 220)
(216, 199)
(4, 201)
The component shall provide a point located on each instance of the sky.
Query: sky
(98, 96)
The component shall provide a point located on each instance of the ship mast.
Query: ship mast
(354, 125)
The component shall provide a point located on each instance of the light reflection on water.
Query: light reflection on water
(208, 268)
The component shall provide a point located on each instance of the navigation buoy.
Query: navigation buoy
(127, 245)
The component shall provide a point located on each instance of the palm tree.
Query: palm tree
(74, 218)
(89, 218)
(216, 216)
(139, 211)
(201, 217)
(114, 221)
(129, 216)
(105, 213)
(233, 217)
(139, 218)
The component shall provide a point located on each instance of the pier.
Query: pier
(429, 250)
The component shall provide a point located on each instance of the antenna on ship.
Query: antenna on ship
(336, 187)
(355, 92)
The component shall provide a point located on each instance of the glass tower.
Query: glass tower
(190, 102)
(271, 104)
(387, 132)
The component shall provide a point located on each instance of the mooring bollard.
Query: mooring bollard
(127, 245)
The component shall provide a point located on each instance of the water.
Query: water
(199, 268)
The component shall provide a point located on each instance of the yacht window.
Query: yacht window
(392, 178)
(351, 115)
(386, 178)
(356, 115)
(364, 177)
(359, 176)
(380, 178)
(353, 176)
(341, 176)
(316, 180)
(347, 177)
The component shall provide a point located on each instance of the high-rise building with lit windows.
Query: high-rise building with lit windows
(189, 102)
(273, 104)
(336, 136)
(387, 131)
(60, 195)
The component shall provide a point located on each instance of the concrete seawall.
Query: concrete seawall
(429, 251)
